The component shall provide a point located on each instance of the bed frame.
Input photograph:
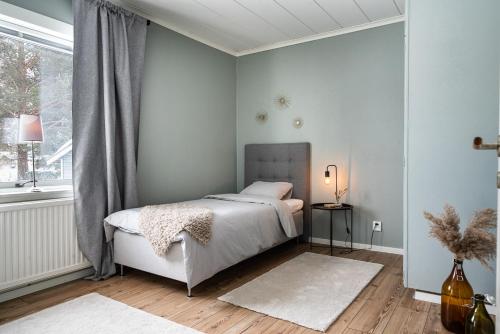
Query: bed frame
(263, 162)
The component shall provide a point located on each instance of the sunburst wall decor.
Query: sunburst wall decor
(282, 101)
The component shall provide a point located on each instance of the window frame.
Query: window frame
(51, 30)
(35, 24)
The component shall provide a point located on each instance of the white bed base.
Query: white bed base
(133, 250)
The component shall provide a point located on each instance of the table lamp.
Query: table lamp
(327, 182)
(30, 130)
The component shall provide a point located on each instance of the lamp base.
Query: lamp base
(36, 190)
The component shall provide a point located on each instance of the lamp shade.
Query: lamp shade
(30, 128)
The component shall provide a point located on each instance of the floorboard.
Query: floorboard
(384, 306)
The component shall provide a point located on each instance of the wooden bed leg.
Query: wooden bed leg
(121, 269)
(189, 292)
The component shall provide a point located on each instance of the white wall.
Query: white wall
(453, 62)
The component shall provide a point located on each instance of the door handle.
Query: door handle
(477, 144)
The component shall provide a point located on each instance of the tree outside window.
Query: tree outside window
(35, 79)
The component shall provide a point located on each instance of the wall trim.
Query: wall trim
(328, 34)
(436, 299)
(374, 24)
(42, 285)
(356, 245)
(43, 277)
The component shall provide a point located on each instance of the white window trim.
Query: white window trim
(35, 24)
(41, 26)
(25, 195)
(41, 183)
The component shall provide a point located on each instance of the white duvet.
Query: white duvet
(243, 226)
(128, 220)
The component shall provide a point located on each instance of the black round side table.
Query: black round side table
(344, 207)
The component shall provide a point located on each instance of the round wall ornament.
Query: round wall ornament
(298, 122)
(261, 117)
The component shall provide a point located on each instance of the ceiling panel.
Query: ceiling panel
(246, 26)
(311, 14)
(278, 16)
(230, 10)
(346, 12)
(380, 9)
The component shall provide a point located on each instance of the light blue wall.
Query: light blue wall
(453, 97)
(187, 138)
(349, 91)
(187, 144)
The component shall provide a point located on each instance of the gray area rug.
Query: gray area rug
(311, 290)
(94, 314)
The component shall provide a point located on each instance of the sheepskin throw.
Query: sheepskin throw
(160, 224)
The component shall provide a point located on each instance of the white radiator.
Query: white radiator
(37, 242)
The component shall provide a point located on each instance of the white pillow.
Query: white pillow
(270, 189)
(125, 220)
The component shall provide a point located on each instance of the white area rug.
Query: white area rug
(93, 314)
(311, 290)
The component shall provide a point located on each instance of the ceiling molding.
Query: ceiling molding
(342, 31)
(323, 35)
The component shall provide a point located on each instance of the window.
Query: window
(35, 79)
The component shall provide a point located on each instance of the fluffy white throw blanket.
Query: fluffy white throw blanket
(160, 224)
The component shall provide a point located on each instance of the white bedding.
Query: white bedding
(242, 227)
(128, 220)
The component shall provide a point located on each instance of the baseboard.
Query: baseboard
(356, 245)
(436, 299)
(42, 285)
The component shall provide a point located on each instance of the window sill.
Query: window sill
(14, 195)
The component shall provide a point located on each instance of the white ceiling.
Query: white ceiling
(247, 26)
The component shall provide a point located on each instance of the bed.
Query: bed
(240, 229)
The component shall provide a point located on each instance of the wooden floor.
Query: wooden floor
(384, 306)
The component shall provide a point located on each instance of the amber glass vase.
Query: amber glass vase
(456, 294)
(478, 320)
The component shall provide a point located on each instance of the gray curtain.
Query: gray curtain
(108, 60)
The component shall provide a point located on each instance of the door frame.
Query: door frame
(406, 145)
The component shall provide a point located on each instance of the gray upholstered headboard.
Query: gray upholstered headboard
(282, 162)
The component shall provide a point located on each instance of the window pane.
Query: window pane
(35, 80)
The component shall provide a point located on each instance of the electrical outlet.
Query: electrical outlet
(377, 226)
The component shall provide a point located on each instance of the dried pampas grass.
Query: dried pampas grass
(477, 241)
